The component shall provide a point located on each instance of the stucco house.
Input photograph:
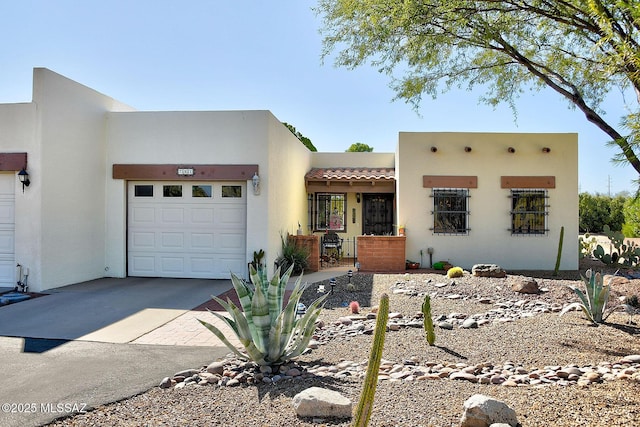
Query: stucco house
(115, 192)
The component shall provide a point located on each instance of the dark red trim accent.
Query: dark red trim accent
(528, 181)
(170, 172)
(13, 161)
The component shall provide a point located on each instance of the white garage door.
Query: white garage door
(187, 229)
(7, 230)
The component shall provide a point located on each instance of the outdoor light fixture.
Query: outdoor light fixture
(256, 184)
(546, 150)
(467, 149)
(434, 149)
(23, 176)
(358, 265)
(350, 275)
(511, 150)
(358, 197)
(430, 252)
(332, 283)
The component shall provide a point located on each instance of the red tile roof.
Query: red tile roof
(351, 174)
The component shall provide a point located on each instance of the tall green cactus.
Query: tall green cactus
(555, 270)
(365, 405)
(428, 321)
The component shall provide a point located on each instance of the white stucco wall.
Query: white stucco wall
(18, 134)
(287, 164)
(489, 240)
(68, 173)
(223, 137)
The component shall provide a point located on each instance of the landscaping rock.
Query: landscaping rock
(525, 285)
(488, 270)
(321, 402)
(483, 411)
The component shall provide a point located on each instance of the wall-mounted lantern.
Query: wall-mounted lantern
(23, 176)
(256, 184)
(511, 150)
(358, 197)
(546, 149)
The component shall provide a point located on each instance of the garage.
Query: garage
(7, 230)
(186, 229)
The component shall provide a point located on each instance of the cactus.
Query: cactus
(365, 405)
(555, 271)
(428, 321)
(626, 254)
(455, 272)
(593, 302)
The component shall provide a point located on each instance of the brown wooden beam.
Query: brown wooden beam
(528, 182)
(184, 172)
(13, 161)
(449, 181)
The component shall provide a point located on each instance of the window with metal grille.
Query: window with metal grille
(450, 211)
(330, 211)
(529, 210)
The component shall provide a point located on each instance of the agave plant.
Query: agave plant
(269, 334)
(594, 301)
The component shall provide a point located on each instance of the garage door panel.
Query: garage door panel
(202, 216)
(143, 265)
(172, 241)
(172, 215)
(172, 264)
(202, 241)
(7, 211)
(202, 266)
(141, 216)
(7, 272)
(7, 230)
(230, 216)
(199, 237)
(231, 242)
(7, 242)
(142, 240)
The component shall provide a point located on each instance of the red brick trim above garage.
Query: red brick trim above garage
(13, 161)
(184, 172)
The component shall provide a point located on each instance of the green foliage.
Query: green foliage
(593, 302)
(359, 147)
(365, 404)
(559, 256)
(258, 256)
(580, 49)
(306, 141)
(269, 334)
(293, 255)
(627, 254)
(631, 227)
(596, 211)
(587, 244)
(428, 321)
(455, 272)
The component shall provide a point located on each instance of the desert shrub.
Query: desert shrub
(455, 272)
(292, 255)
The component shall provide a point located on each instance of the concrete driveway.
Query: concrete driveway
(68, 350)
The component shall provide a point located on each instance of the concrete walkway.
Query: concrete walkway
(105, 340)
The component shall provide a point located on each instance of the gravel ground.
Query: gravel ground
(542, 340)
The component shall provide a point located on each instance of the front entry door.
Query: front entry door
(378, 214)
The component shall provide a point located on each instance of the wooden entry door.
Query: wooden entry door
(378, 214)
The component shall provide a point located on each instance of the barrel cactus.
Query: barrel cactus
(269, 334)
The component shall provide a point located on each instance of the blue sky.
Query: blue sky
(246, 55)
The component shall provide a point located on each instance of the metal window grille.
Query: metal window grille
(330, 211)
(450, 211)
(529, 212)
